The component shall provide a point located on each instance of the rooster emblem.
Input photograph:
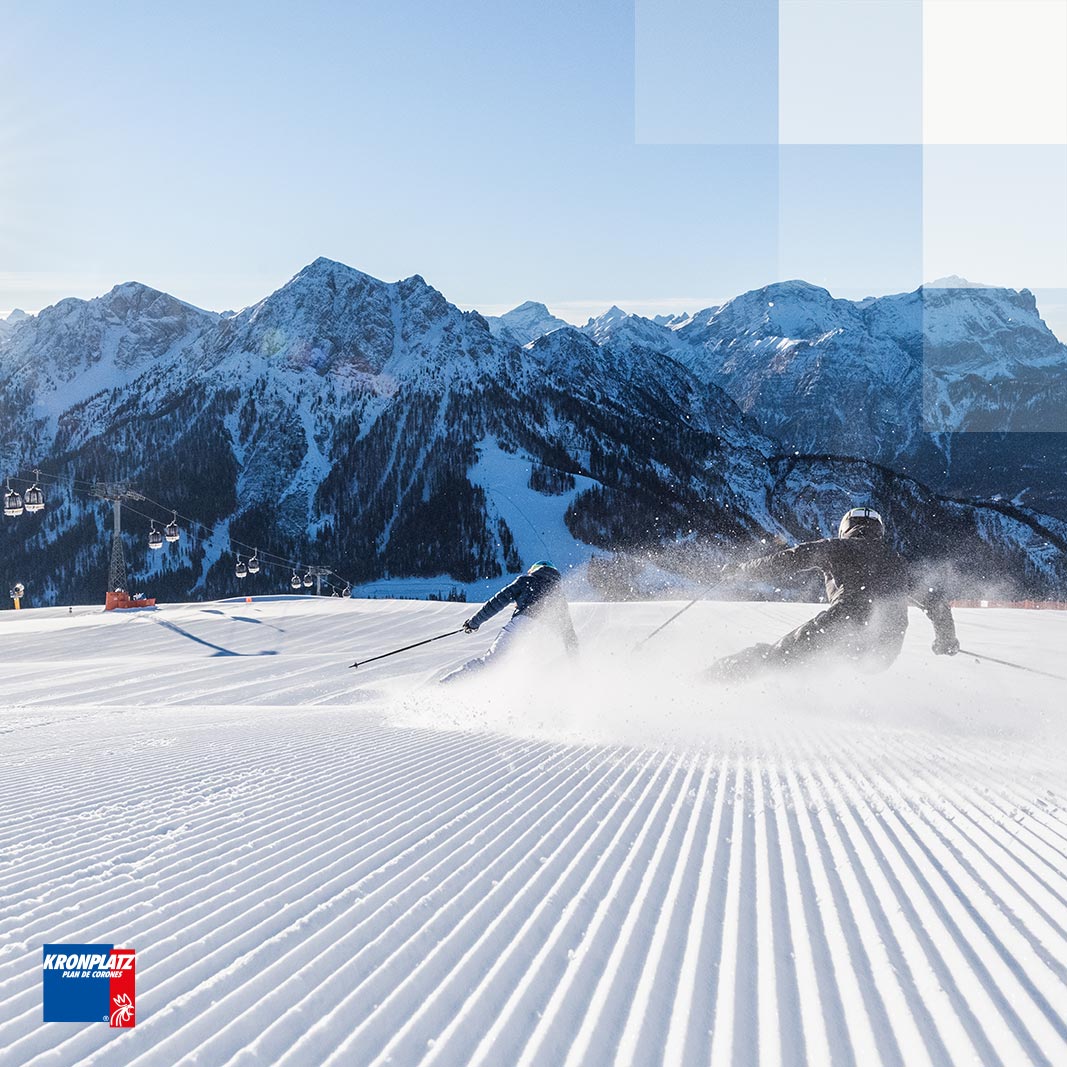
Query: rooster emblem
(123, 1012)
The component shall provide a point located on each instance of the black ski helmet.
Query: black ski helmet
(539, 564)
(861, 522)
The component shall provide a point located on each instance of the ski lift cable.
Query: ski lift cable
(266, 558)
(55, 480)
(192, 526)
(264, 555)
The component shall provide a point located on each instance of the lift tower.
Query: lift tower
(116, 492)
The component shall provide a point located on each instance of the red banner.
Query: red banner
(123, 992)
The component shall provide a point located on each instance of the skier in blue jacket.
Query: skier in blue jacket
(539, 604)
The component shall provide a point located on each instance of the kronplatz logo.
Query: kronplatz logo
(89, 984)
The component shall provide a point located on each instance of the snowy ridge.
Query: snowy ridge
(77, 348)
(324, 866)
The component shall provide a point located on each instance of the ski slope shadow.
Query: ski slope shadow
(219, 650)
(243, 618)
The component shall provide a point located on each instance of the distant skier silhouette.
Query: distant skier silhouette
(540, 606)
(868, 587)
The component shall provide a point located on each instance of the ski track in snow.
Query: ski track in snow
(613, 864)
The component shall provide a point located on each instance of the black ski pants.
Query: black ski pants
(869, 640)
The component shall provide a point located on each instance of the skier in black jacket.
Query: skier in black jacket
(868, 587)
(539, 603)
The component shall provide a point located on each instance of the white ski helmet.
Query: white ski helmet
(861, 522)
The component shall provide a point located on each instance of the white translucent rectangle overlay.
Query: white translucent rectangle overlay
(990, 362)
(850, 72)
(996, 214)
(851, 216)
(706, 72)
(995, 312)
(995, 71)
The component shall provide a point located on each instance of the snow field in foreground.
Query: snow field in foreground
(593, 863)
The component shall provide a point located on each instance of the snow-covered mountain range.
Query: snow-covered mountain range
(962, 385)
(376, 428)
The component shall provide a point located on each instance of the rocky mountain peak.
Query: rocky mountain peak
(133, 302)
(613, 314)
(790, 309)
(529, 307)
(525, 323)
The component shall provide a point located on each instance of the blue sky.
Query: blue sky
(504, 151)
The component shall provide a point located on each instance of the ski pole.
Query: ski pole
(406, 648)
(1008, 663)
(681, 611)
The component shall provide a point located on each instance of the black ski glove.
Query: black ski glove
(469, 626)
(945, 646)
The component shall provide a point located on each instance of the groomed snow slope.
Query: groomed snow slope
(595, 865)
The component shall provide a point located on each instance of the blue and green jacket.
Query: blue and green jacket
(538, 596)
